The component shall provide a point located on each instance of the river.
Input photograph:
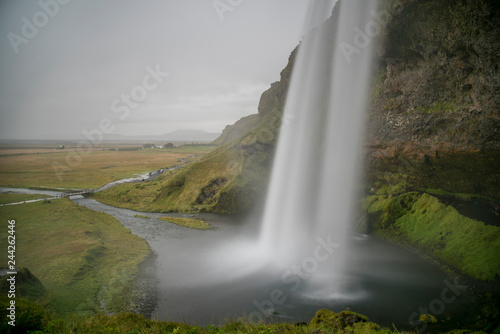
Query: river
(385, 282)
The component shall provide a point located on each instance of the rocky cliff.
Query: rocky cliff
(438, 81)
(434, 120)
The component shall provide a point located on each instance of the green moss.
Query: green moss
(428, 318)
(337, 321)
(438, 230)
(438, 107)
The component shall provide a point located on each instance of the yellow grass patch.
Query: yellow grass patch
(188, 222)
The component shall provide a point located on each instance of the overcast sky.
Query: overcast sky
(72, 65)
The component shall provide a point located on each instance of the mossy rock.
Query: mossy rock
(428, 318)
(366, 327)
(337, 320)
(27, 285)
(325, 317)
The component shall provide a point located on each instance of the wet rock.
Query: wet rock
(428, 318)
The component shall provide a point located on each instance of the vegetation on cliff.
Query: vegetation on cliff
(421, 221)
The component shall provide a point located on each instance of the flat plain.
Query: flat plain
(68, 168)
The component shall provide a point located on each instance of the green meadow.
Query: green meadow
(86, 260)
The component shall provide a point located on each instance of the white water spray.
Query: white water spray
(316, 169)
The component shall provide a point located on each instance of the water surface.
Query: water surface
(206, 277)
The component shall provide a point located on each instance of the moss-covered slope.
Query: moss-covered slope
(422, 222)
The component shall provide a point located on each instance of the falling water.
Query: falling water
(314, 179)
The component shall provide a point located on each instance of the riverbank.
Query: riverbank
(82, 257)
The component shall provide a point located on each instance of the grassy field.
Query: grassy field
(42, 167)
(82, 257)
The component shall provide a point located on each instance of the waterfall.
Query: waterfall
(312, 192)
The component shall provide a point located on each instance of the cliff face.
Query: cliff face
(433, 136)
(438, 82)
(434, 119)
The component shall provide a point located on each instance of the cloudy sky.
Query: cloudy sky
(139, 67)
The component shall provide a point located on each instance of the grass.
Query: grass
(188, 222)
(324, 322)
(81, 256)
(195, 187)
(439, 231)
(14, 198)
(69, 169)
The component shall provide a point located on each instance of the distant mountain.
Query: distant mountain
(190, 135)
(174, 136)
(185, 135)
